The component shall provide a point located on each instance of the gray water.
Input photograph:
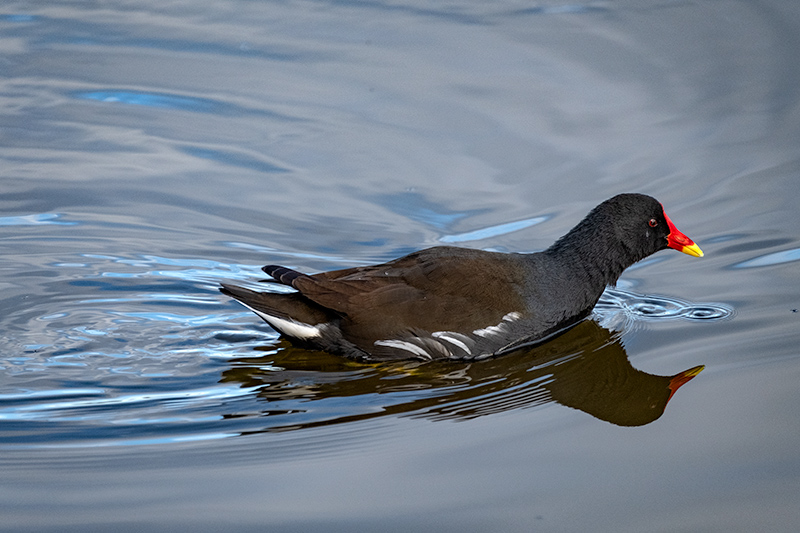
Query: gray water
(151, 150)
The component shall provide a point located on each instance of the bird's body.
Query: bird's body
(457, 303)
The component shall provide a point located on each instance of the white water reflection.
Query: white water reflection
(493, 231)
(771, 259)
(35, 220)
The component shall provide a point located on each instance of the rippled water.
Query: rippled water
(151, 151)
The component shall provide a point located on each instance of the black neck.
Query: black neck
(593, 254)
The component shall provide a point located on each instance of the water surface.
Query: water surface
(150, 151)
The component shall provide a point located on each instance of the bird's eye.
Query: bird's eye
(653, 223)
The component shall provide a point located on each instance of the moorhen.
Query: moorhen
(456, 303)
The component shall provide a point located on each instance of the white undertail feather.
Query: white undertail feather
(292, 328)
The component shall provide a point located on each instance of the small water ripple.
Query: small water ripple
(236, 159)
(637, 306)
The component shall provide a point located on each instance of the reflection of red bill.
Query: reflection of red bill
(681, 379)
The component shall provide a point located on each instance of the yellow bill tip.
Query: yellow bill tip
(693, 249)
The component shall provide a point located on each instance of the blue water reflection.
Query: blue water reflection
(18, 17)
(151, 100)
(35, 220)
(179, 102)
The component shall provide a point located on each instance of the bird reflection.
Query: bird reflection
(586, 369)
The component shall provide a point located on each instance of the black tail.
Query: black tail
(282, 274)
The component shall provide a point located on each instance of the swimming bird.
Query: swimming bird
(457, 303)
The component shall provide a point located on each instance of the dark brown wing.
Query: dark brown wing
(438, 289)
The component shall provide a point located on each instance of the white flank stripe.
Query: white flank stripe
(499, 328)
(403, 345)
(448, 336)
(490, 330)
